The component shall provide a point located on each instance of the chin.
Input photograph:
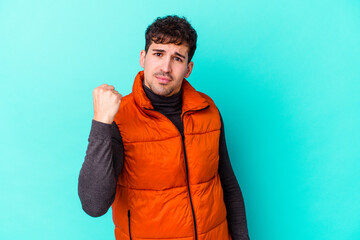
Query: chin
(162, 92)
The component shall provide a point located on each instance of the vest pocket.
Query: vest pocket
(129, 224)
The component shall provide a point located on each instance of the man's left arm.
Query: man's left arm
(233, 198)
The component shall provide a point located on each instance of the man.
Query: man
(158, 156)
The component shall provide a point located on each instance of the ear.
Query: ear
(189, 69)
(142, 58)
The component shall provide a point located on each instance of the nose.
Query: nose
(166, 65)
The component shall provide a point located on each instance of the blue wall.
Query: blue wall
(284, 74)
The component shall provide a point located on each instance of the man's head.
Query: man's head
(170, 46)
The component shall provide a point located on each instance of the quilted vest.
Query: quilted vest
(169, 187)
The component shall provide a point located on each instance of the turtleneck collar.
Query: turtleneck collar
(166, 105)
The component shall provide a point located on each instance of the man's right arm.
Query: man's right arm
(104, 155)
(101, 168)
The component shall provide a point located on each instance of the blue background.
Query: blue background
(284, 74)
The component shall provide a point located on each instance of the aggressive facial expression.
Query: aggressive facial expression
(165, 67)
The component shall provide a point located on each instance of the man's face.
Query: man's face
(165, 66)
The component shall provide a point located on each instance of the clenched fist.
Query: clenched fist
(106, 103)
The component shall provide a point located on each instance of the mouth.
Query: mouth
(163, 79)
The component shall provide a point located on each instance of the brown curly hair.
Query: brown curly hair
(171, 29)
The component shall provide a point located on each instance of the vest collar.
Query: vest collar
(191, 99)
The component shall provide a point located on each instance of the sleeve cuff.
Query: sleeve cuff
(100, 130)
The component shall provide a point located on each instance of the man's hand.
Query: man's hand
(106, 103)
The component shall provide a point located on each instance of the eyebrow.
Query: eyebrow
(176, 53)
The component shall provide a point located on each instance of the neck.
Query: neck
(164, 104)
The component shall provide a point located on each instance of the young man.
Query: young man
(159, 158)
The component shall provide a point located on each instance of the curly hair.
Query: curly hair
(171, 29)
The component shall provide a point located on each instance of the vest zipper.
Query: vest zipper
(186, 163)
(129, 224)
(188, 184)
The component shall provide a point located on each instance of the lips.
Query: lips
(162, 79)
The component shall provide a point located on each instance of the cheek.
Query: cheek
(151, 65)
(184, 72)
(180, 70)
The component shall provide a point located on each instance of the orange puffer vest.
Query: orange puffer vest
(169, 187)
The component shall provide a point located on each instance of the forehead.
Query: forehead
(170, 47)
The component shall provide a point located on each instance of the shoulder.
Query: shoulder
(213, 109)
(125, 108)
(126, 100)
(209, 99)
(212, 103)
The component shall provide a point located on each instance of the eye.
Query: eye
(178, 59)
(157, 54)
